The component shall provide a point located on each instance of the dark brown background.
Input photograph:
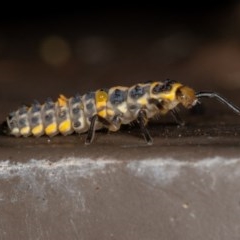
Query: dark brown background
(44, 54)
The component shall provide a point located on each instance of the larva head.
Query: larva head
(186, 96)
(170, 93)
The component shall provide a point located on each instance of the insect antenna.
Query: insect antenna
(220, 99)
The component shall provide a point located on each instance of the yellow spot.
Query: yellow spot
(110, 112)
(25, 131)
(65, 126)
(142, 101)
(62, 101)
(122, 107)
(101, 98)
(171, 95)
(102, 113)
(37, 130)
(15, 131)
(51, 129)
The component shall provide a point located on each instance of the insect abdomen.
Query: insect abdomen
(64, 116)
(108, 108)
(115, 106)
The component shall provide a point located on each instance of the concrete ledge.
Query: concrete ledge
(78, 198)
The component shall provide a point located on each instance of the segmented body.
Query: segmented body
(105, 108)
(115, 106)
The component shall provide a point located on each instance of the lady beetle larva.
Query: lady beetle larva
(105, 108)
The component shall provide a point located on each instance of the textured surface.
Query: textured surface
(184, 186)
(77, 198)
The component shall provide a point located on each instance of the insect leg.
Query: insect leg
(91, 131)
(141, 119)
(115, 123)
(220, 99)
(177, 117)
(112, 125)
(4, 129)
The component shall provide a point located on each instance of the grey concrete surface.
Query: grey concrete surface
(79, 198)
(184, 186)
(149, 199)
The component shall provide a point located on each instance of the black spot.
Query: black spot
(75, 110)
(77, 124)
(48, 117)
(137, 92)
(22, 122)
(89, 106)
(117, 97)
(157, 89)
(62, 114)
(89, 95)
(76, 99)
(104, 90)
(36, 107)
(49, 104)
(165, 87)
(34, 120)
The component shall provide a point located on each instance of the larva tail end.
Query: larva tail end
(4, 129)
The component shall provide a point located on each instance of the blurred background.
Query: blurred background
(43, 54)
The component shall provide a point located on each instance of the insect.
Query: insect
(106, 108)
